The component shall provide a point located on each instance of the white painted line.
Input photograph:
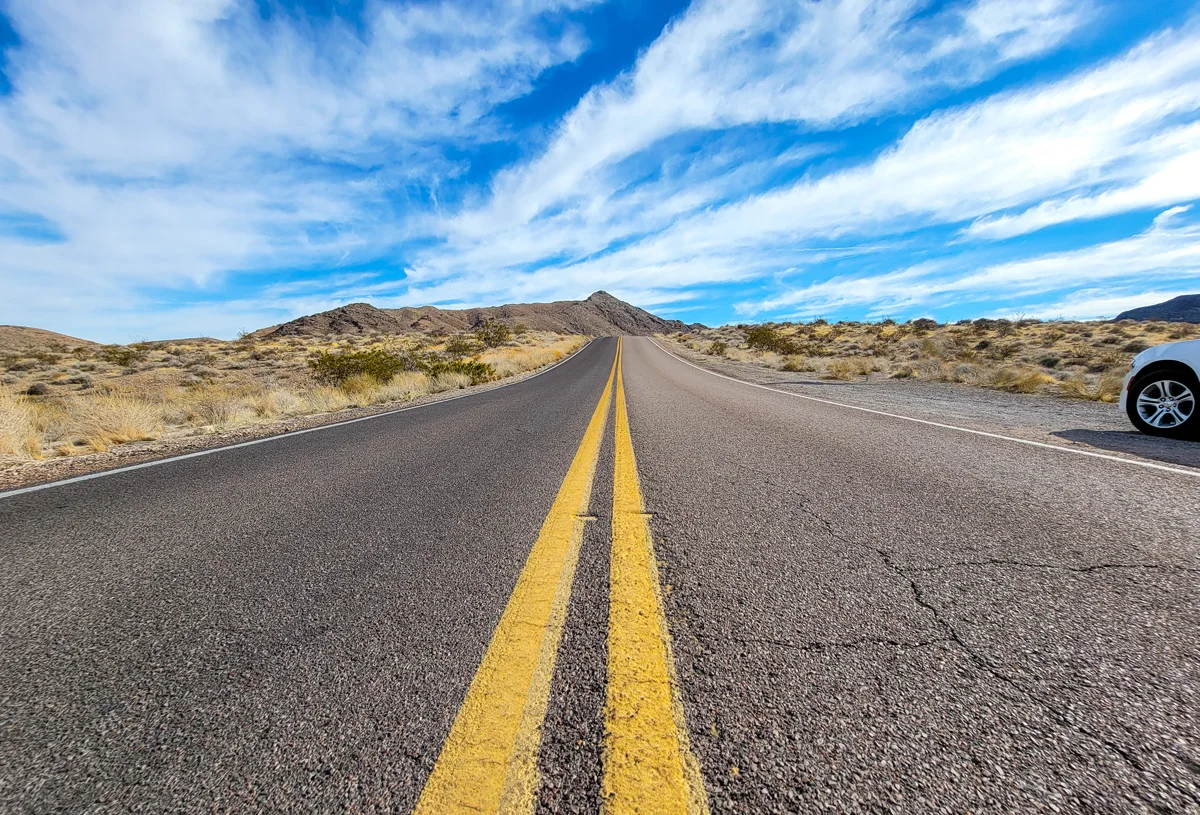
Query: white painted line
(265, 439)
(1147, 464)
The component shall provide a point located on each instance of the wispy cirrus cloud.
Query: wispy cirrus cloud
(1164, 255)
(173, 143)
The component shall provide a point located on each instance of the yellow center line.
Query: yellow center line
(649, 768)
(488, 763)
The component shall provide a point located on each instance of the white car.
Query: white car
(1161, 389)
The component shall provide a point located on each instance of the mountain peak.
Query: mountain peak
(600, 314)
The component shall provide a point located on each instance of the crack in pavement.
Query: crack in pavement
(954, 638)
(821, 645)
(1166, 567)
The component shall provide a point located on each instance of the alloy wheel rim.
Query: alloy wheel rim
(1165, 404)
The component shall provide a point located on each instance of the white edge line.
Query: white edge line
(1147, 464)
(290, 433)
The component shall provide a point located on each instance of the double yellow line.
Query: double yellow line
(488, 763)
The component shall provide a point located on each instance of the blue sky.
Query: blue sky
(196, 168)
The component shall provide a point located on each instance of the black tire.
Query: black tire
(1187, 429)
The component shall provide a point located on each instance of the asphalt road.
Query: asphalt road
(867, 614)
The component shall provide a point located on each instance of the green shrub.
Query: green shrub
(479, 372)
(124, 355)
(334, 369)
(459, 346)
(766, 338)
(492, 333)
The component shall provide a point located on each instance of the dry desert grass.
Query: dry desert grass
(59, 400)
(1075, 360)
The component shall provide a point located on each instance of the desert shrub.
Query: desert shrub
(762, 337)
(103, 420)
(492, 333)
(448, 381)
(837, 369)
(18, 429)
(768, 338)
(360, 384)
(795, 364)
(212, 405)
(1135, 347)
(716, 348)
(932, 349)
(475, 371)
(1020, 380)
(329, 368)
(1107, 388)
(277, 402)
(326, 399)
(1049, 362)
(404, 386)
(924, 324)
(846, 368)
(460, 346)
(123, 355)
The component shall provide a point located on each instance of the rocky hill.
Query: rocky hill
(599, 315)
(1182, 309)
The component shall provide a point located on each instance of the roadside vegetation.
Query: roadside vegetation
(1075, 360)
(65, 401)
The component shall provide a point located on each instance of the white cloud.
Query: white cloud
(731, 62)
(1167, 253)
(171, 143)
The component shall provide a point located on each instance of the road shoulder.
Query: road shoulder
(1090, 426)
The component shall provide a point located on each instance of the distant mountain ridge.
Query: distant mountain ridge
(1182, 309)
(601, 314)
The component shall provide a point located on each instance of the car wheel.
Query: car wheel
(1163, 403)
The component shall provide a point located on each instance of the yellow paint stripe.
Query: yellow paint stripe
(649, 768)
(488, 763)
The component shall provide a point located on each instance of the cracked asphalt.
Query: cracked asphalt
(868, 615)
(879, 616)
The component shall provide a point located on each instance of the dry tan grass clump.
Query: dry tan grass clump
(403, 387)
(18, 431)
(100, 421)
